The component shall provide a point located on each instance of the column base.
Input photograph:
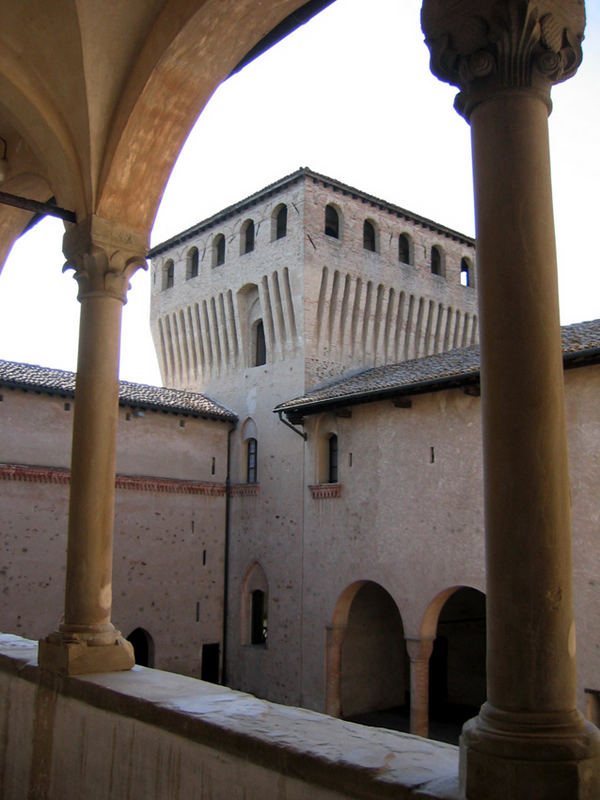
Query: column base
(67, 657)
(529, 757)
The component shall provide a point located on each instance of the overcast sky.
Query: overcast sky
(350, 95)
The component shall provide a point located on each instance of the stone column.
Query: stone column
(419, 652)
(104, 256)
(333, 693)
(529, 740)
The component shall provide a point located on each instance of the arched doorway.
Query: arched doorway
(457, 667)
(367, 667)
(143, 647)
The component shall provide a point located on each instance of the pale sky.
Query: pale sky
(350, 95)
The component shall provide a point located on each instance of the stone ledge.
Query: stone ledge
(341, 758)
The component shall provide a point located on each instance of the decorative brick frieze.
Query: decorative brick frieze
(20, 472)
(244, 490)
(323, 491)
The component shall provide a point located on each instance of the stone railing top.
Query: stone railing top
(347, 758)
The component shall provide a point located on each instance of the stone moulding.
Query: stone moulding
(323, 491)
(57, 475)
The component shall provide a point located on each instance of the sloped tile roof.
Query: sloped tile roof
(137, 395)
(581, 342)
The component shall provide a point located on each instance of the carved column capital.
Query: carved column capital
(104, 256)
(489, 46)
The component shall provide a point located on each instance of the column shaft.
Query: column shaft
(419, 651)
(531, 649)
(91, 504)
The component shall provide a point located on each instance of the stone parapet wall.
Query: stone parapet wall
(151, 735)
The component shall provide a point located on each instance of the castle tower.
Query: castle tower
(295, 285)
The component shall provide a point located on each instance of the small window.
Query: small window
(248, 236)
(260, 346)
(369, 236)
(281, 222)
(218, 250)
(437, 266)
(333, 458)
(466, 272)
(404, 248)
(251, 455)
(259, 623)
(332, 222)
(191, 270)
(168, 274)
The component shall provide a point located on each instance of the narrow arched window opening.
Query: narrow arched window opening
(436, 261)
(192, 263)
(333, 458)
(169, 274)
(251, 459)
(466, 272)
(332, 222)
(281, 223)
(260, 345)
(404, 249)
(369, 242)
(259, 621)
(248, 237)
(218, 250)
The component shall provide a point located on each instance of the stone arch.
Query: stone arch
(143, 145)
(143, 647)
(367, 664)
(455, 620)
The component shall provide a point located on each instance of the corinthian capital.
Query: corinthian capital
(104, 256)
(490, 46)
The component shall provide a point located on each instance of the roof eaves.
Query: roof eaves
(373, 395)
(222, 215)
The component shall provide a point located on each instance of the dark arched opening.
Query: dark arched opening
(457, 669)
(374, 681)
(332, 222)
(143, 647)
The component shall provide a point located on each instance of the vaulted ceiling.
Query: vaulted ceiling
(97, 98)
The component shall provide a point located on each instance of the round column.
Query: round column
(104, 256)
(419, 652)
(529, 740)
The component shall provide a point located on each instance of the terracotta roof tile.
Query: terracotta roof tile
(420, 374)
(137, 395)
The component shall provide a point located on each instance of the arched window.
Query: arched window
(168, 274)
(332, 222)
(191, 268)
(260, 346)
(248, 236)
(404, 248)
(280, 222)
(437, 265)
(369, 242)
(466, 272)
(218, 250)
(333, 459)
(251, 458)
(255, 605)
(258, 619)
